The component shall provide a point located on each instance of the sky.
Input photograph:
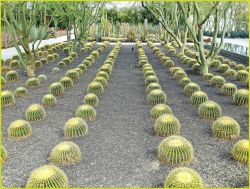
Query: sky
(119, 4)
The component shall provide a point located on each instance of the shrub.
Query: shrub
(91, 99)
(240, 67)
(199, 97)
(240, 151)
(14, 64)
(156, 96)
(3, 82)
(35, 112)
(151, 79)
(12, 76)
(73, 74)
(56, 89)
(7, 98)
(42, 78)
(49, 100)
(47, 176)
(95, 87)
(217, 81)
(32, 82)
(242, 75)
(183, 177)
(66, 82)
(20, 91)
(65, 153)
(101, 80)
(228, 89)
(209, 110)
(152, 86)
(179, 75)
(167, 125)
(190, 88)
(175, 150)
(19, 130)
(86, 112)
(103, 74)
(240, 97)
(159, 110)
(44, 60)
(226, 128)
(75, 127)
(4, 154)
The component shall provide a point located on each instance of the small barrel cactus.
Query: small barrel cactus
(208, 76)
(175, 69)
(66, 60)
(228, 89)
(175, 150)
(230, 73)
(196, 68)
(73, 74)
(38, 64)
(217, 81)
(183, 177)
(7, 98)
(74, 55)
(75, 127)
(3, 82)
(4, 154)
(83, 67)
(44, 61)
(65, 153)
(184, 81)
(151, 79)
(96, 88)
(152, 86)
(35, 112)
(226, 128)
(19, 130)
(240, 151)
(50, 58)
(240, 67)
(149, 73)
(159, 110)
(240, 97)
(12, 76)
(86, 112)
(80, 72)
(55, 70)
(42, 78)
(106, 68)
(56, 89)
(199, 97)
(14, 64)
(47, 176)
(156, 96)
(223, 68)
(190, 88)
(179, 75)
(168, 63)
(61, 65)
(167, 125)
(32, 82)
(66, 82)
(91, 99)
(20, 91)
(49, 100)
(242, 75)
(209, 110)
(103, 74)
(101, 80)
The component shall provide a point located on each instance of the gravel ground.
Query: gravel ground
(120, 149)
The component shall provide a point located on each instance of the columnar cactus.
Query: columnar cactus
(183, 177)
(65, 153)
(66, 82)
(96, 88)
(86, 112)
(35, 112)
(156, 96)
(75, 127)
(242, 75)
(209, 110)
(20, 91)
(190, 88)
(49, 100)
(101, 80)
(167, 125)
(240, 97)
(199, 97)
(91, 99)
(73, 74)
(47, 176)
(180, 74)
(42, 78)
(240, 151)
(4, 154)
(7, 98)
(217, 81)
(12, 76)
(228, 89)
(159, 110)
(175, 150)
(19, 130)
(56, 89)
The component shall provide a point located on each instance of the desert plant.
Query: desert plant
(35, 112)
(232, 64)
(175, 150)
(209, 110)
(42, 78)
(230, 73)
(101, 80)
(106, 68)
(87, 63)
(91, 99)
(103, 74)
(215, 63)
(208, 76)
(20, 91)
(38, 64)
(66, 60)
(19, 130)
(74, 55)
(240, 151)
(3, 82)
(47, 176)
(240, 97)
(228, 89)
(12, 76)
(184, 81)
(226, 128)
(240, 67)
(61, 65)
(159, 110)
(55, 70)
(196, 68)
(49, 100)
(199, 97)
(223, 68)
(167, 125)
(75, 127)
(149, 72)
(56, 89)
(96, 88)
(190, 88)
(86, 112)
(242, 75)
(217, 81)
(44, 61)
(50, 58)
(168, 63)
(14, 64)
(179, 75)
(156, 96)
(83, 67)
(55, 55)
(7, 98)
(151, 79)
(175, 69)
(80, 72)
(73, 74)
(152, 86)
(66, 82)
(32, 82)
(4, 154)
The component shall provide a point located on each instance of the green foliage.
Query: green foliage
(209, 110)
(66, 82)
(242, 75)
(56, 89)
(19, 130)
(7, 98)
(35, 112)
(49, 100)
(4, 154)
(152, 86)
(86, 112)
(217, 81)
(156, 96)
(240, 151)
(75, 127)
(33, 82)
(167, 125)
(20, 91)
(12, 76)
(190, 88)
(96, 88)
(184, 81)
(226, 128)
(42, 78)
(228, 89)
(240, 97)
(73, 74)
(159, 110)
(91, 99)
(199, 97)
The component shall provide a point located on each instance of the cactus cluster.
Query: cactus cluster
(7, 98)
(86, 112)
(156, 96)
(159, 110)
(167, 125)
(228, 89)
(91, 99)
(240, 97)
(49, 100)
(66, 82)
(199, 97)
(190, 88)
(240, 151)
(56, 89)
(209, 110)
(20, 91)
(96, 88)
(32, 82)
(12, 76)
(75, 127)
(35, 112)
(19, 130)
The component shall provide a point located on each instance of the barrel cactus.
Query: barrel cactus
(230, 73)
(242, 75)
(190, 88)
(183, 177)
(49, 100)
(20, 91)
(44, 61)
(4, 154)
(103, 74)
(66, 60)
(35, 112)
(86, 112)
(38, 64)
(19, 130)
(75, 127)
(3, 82)
(240, 151)
(83, 67)
(56, 89)
(175, 69)
(73, 74)
(12, 76)
(208, 76)
(66, 82)
(159, 110)
(223, 68)
(168, 63)
(149, 73)
(152, 86)
(228, 89)
(209, 110)
(74, 55)
(240, 97)
(179, 75)
(96, 88)
(175, 150)
(101, 80)
(167, 125)
(47, 176)
(14, 64)
(184, 81)
(196, 68)
(240, 67)
(61, 64)
(156, 96)
(42, 78)
(106, 68)
(65, 153)
(32, 82)
(151, 79)
(91, 99)
(199, 97)
(7, 98)
(55, 70)
(217, 81)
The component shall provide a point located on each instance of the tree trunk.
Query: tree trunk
(204, 67)
(31, 70)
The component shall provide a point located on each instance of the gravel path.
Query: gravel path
(120, 149)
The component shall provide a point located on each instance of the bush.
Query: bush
(228, 89)
(35, 112)
(240, 97)
(217, 81)
(49, 100)
(19, 130)
(167, 125)
(20, 91)
(159, 110)
(33, 82)
(190, 88)
(199, 97)
(7, 98)
(66, 82)
(12, 76)
(96, 88)
(156, 96)
(240, 151)
(209, 110)
(91, 99)
(86, 112)
(75, 127)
